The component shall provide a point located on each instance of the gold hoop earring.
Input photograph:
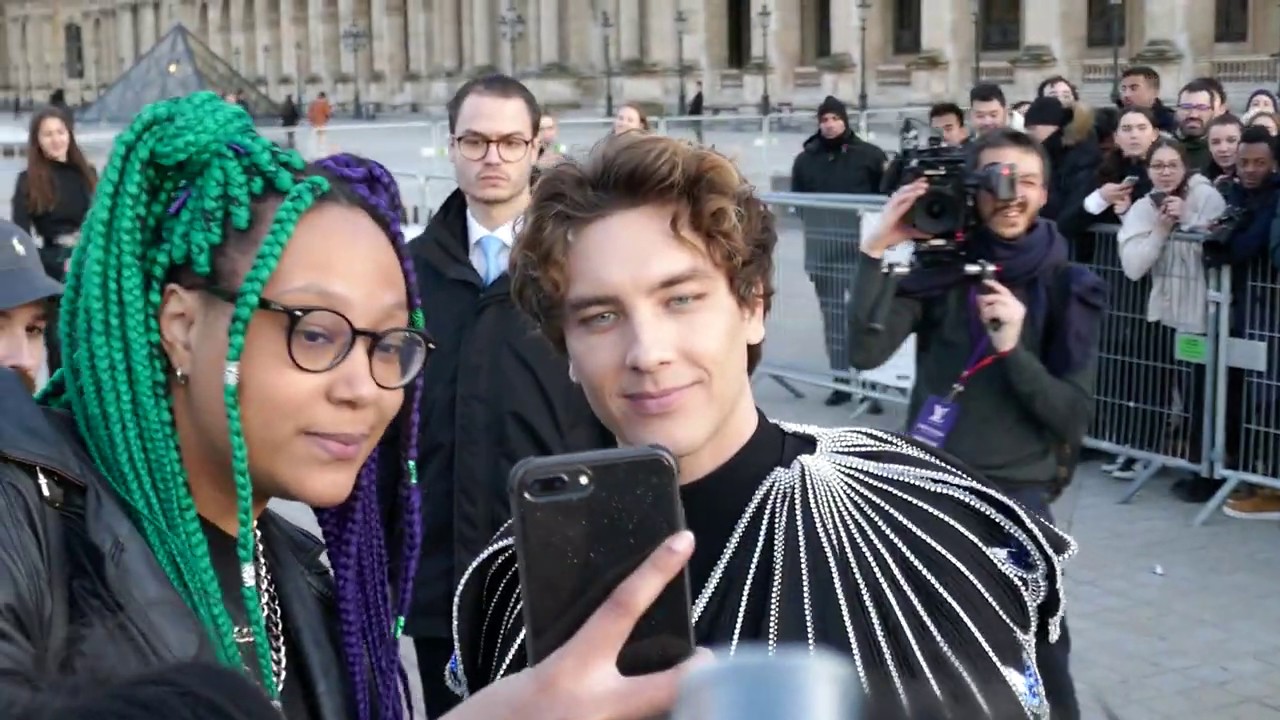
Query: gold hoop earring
(573, 377)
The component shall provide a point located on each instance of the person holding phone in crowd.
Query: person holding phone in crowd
(651, 265)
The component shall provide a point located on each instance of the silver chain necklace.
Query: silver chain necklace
(258, 574)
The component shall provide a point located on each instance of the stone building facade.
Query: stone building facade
(417, 51)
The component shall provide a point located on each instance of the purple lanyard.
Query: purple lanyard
(977, 334)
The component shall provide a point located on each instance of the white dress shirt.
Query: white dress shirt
(506, 233)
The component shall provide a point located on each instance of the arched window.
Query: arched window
(1231, 21)
(1100, 19)
(74, 51)
(1001, 22)
(906, 27)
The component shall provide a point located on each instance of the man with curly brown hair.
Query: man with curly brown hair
(651, 266)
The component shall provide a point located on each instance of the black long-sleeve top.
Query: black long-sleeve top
(72, 194)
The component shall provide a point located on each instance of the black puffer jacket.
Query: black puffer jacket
(844, 165)
(81, 593)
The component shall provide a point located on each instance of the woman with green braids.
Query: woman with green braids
(237, 327)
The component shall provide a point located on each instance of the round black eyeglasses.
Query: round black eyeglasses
(319, 339)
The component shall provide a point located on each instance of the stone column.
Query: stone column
(548, 20)
(124, 23)
(844, 28)
(88, 52)
(422, 46)
(379, 60)
(1042, 50)
(944, 66)
(447, 36)
(628, 22)
(482, 30)
(146, 26)
(1165, 47)
(394, 33)
(582, 35)
(291, 30)
(660, 32)
(266, 46)
(316, 49)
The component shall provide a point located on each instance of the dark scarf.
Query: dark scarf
(1032, 265)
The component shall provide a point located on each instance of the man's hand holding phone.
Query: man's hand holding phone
(581, 679)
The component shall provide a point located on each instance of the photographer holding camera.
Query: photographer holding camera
(1007, 328)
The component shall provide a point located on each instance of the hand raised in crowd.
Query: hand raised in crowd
(1116, 193)
(1003, 313)
(580, 681)
(893, 229)
(1121, 207)
(1169, 212)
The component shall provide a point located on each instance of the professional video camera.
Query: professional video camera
(948, 210)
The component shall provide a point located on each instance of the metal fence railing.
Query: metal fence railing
(1197, 389)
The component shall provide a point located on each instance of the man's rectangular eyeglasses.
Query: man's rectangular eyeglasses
(319, 339)
(511, 148)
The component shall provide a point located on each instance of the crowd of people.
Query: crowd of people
(235, 325)
(1147, 169)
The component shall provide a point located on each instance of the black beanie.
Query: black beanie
(1045, 111)
(834, 107)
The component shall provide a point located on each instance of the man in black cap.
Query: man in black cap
(1069, 138)
(834, 160)
(27, 294)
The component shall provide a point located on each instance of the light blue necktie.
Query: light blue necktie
(491, 246)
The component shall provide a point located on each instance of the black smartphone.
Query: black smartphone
(583, 522)
(1157, 197)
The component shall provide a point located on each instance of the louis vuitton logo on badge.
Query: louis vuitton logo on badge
(939, 413)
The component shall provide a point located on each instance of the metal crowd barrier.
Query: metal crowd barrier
(1201, 394)
(1155, 395)
(1246, 426)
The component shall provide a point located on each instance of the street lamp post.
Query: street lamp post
(354, 39)
(297, 68)
(682, 24)
(864, 7)
(975, 7)
(765, 16)
(511, 26)
(1116, 6)
(266, 65)
(606, 25)
(235, 55)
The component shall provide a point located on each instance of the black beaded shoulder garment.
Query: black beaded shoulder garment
(857, 540)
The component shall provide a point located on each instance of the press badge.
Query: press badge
(937, 417)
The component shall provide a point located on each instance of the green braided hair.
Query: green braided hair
(185, 176)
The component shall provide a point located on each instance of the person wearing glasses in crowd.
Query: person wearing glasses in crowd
(495, 391)
(1199, 102)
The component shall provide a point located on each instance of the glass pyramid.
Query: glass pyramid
(178, 64)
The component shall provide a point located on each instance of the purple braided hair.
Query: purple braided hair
(354, 531)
